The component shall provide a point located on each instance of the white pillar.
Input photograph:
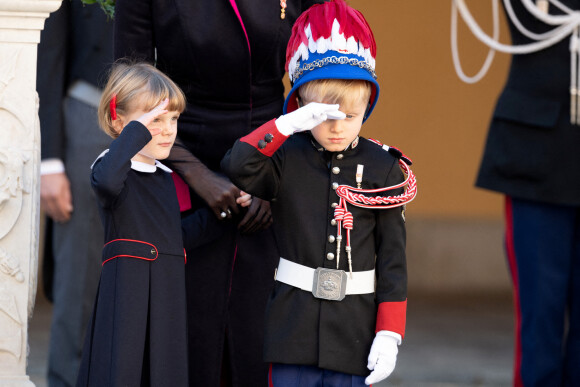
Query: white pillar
(20, 24)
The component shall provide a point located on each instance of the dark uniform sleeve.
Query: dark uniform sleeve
(134, 30)
(391, 263)
(254, 164)
(51, 82)
(110, 172)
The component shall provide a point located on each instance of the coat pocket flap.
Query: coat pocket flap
(528, 110)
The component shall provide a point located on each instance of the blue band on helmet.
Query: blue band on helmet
(317, 67)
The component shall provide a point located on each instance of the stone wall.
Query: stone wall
(20, 25)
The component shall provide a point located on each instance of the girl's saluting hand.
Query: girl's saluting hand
(148, 117)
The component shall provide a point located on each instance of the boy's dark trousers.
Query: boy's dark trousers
(294, 375)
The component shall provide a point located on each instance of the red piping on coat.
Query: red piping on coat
(237, 11)
(132, 256)
(135, 256)
(511, 256)
(235, 7)
(232, 274)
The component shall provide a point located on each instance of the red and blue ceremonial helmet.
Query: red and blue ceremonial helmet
(331, 41)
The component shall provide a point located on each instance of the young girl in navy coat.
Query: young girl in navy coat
(138, 333)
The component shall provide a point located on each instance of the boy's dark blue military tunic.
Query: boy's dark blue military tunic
(298, 176)
(138, 334)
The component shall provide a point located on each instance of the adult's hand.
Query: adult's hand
(219, 193)
(258, 217)
(216, 190)
(55, 196)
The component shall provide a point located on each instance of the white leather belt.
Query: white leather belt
(305, 278)
(85, 92)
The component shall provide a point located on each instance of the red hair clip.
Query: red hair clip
(113, 107)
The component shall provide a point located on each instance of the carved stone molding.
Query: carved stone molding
(10, 265)
(15, 106)
(11, 187)
(11, 333)
(20, 25)
(22, 20)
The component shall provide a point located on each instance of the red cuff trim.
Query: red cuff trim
(392, 316)
(257, 138)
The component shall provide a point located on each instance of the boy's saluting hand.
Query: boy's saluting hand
(308, 117)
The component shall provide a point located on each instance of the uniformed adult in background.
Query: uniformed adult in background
(73, 55)
(228, 57)
(532, 157)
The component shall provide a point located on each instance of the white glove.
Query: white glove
(308, 117)
(383, 356)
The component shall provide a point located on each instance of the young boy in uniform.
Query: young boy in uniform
(339, 304)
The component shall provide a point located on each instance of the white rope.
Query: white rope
(574, 79)
(562, 7)
(523, 30)
(546, 17)
(566, 25)
(455, 52)
(573, 76)
(576, 54)
(554, 36)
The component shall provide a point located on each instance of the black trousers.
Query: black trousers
(228, 283)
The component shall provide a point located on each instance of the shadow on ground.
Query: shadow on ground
(450, 341)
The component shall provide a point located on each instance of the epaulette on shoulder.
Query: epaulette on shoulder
(395, 152)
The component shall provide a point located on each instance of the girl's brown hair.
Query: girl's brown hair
(136, 86)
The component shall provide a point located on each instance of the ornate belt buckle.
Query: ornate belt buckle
(329, 284)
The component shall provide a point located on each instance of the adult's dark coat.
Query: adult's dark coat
(299, 175)
(532, 157)
(76, 45)
(231, 71)
(532, 148)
